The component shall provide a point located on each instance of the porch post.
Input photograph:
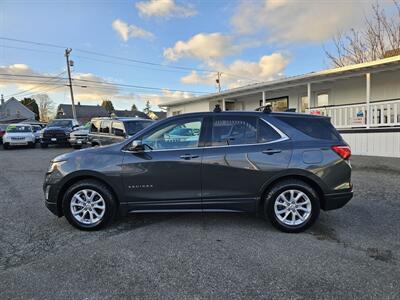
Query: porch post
(223, 104)
(309, 95)
(368, 97)
(263, 98)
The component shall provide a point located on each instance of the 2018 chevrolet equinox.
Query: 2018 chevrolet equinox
(284, 166)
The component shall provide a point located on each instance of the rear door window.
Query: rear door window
(318, 128)
(118, 128)
(233, 130)
(95, 126)
(105, 126)
(266, 133)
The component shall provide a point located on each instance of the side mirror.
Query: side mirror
(137, 146)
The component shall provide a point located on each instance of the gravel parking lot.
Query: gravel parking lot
(350, 253)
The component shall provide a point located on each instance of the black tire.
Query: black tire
(32, 145)
(77, 147)
(6, 146)
(43, 145)
(106, 194)
(287, 185)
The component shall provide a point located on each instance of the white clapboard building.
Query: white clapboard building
(362, 100)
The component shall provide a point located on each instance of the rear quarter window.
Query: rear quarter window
(318, 128)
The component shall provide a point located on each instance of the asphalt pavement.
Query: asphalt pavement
(353, 252)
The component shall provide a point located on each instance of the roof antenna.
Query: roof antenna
(217, 108)
(267, 109)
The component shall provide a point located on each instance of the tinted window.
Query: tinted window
(173, 135)
(234, 131)
(118, 128)
(266, 133)
(105, 126)
(60, 123)
(95, 126)
(319, 128)
(133, 127)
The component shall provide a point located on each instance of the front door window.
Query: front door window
(178, 134)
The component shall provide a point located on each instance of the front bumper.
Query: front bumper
(51, 192)
(55, 140)
(336, 200)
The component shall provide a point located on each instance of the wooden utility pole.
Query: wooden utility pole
(69, 64)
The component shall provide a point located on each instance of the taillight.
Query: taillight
(343, 151)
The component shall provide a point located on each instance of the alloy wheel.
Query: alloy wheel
(87, 207)
(292, 207)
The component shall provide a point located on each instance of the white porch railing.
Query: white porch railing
(382, 114)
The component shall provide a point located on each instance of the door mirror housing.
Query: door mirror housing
(136, 146)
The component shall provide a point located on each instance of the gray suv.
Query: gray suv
(283, 166)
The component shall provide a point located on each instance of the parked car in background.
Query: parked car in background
(37, 131)
(3, 128)
(283, 166)
(19, 135)
(57, 132)
(106, 131)
(79, 137)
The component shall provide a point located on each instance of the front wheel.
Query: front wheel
(292, 206)
(89, 205)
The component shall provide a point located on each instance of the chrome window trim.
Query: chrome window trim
(283, 137)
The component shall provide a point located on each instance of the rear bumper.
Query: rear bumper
(336, 200)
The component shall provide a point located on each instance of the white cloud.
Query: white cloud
(242, 72)
(127, 31)
(164, 8)
(203, 46)
(165, 96)
(297, 21)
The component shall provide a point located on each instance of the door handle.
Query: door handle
(271, 151)
(188, 156)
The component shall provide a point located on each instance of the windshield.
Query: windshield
(19, 128)
(133, 127)
(60, 123)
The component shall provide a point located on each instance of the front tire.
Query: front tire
(89, 205)
(43, 145)
(292, 206)
(6, 146)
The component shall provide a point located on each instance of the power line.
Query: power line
(181, 68)
(107, 83)
(40, 83)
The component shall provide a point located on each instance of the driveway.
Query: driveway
(353, 252)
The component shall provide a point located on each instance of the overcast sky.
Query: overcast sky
(248, 41)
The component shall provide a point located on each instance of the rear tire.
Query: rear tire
(292, 206)
(89, 205)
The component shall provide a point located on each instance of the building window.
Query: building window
(304, 103)
(323, 99)
(277, 104)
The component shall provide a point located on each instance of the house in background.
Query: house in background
(362, 100)
(84, 113)
(12, 111)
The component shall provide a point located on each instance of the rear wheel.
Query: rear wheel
(89, 205)
(292, 205)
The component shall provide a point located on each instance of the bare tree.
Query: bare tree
(46, 106)
(379, 38)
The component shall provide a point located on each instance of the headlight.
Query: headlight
(55, 166)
